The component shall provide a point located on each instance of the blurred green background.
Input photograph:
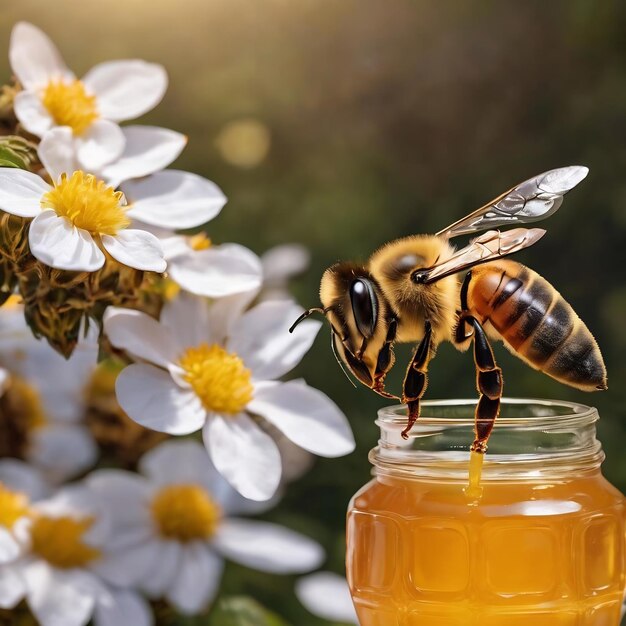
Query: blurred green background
(342, 125)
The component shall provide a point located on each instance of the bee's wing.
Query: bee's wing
(487, 247)
(534, 199)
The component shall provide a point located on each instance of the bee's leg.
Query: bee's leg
(385, 362)
(488, 382)
(416, 380)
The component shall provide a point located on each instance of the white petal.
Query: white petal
(126, 89)
(306, 416)
(198, 579)
(262, 339)
(21, 192)
(102, 143)
(267, 547)
(56, 152)
(125, 496)
(174, 199)
(12, 587)
(282, 262)
(148, 149)
(136, 248)
(187, 319)
(123, 608)
(55, 242)
(59, 598)
(226, 311)
(140, 335)
(166, 570)
(151, 398)
(34, 59)
(32, 114)
(218, 271)
(244, 455)
(10, 549)
(20, 476)
(327, 595)
(127, 567)
(62, 450)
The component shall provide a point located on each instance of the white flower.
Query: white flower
(51, 389)
(196, 377)
(68, 535)
(147, 149)
(19, 485)
(52, 96)
(73, 218)
(173, 529)
(281, 263)
(327, 595)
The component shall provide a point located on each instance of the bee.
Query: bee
(412, 290)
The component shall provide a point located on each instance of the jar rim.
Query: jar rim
(540, 413)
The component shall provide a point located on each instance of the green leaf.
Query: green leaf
(17, 152)
(242, 611)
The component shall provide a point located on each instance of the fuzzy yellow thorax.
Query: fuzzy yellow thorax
(60, 541)
(88, 203)
(69, 104)
(219, 378)
(185, 512)
(13, 506)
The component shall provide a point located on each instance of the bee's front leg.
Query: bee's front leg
(416, 379)
(385, 362)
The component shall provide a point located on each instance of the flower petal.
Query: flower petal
(21, 192)
(123, 607)
(187, 319)
(62, 450)
(262, 339)
(58, 597)
(32, 114)
(151, 398)
(35, 60)
(12, 587)
(282, 262)
(102, 143)
(327, 595)
(126, 89)
(166, 570)
(136, 248)
(56, 152)
(10, 548)
(148, 149)
(127, 567)
(306, 416)
(140, 335)
(20, 476)
(54, 241)
(226, 311)
(174, 199)
(198, 579)
(218, 271)
(267, 547)
(244, 455)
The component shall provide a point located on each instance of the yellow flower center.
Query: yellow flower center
(185, 512)
(13, 506)
(201, 241)
(220, 379)
(69, 104)
(29, 403)
(59, 540)
(88, 203)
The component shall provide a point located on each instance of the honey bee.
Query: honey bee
(410, 291)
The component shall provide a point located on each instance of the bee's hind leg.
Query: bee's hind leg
(416, 379)
(488, 382)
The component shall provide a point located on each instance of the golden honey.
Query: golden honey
(539, 542)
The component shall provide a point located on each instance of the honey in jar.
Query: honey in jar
(538, 540)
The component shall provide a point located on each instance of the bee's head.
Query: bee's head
(359, 316)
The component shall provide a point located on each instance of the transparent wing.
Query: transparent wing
(534, 199)
(489, 246)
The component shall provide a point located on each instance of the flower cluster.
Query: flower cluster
(144, 411)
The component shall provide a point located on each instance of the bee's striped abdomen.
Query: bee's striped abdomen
(536, 323)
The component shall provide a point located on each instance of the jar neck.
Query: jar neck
(532, 440)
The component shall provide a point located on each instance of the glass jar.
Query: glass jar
(539, 543)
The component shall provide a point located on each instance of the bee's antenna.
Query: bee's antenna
(305, 315)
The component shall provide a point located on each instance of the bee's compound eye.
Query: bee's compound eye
(364, 306)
